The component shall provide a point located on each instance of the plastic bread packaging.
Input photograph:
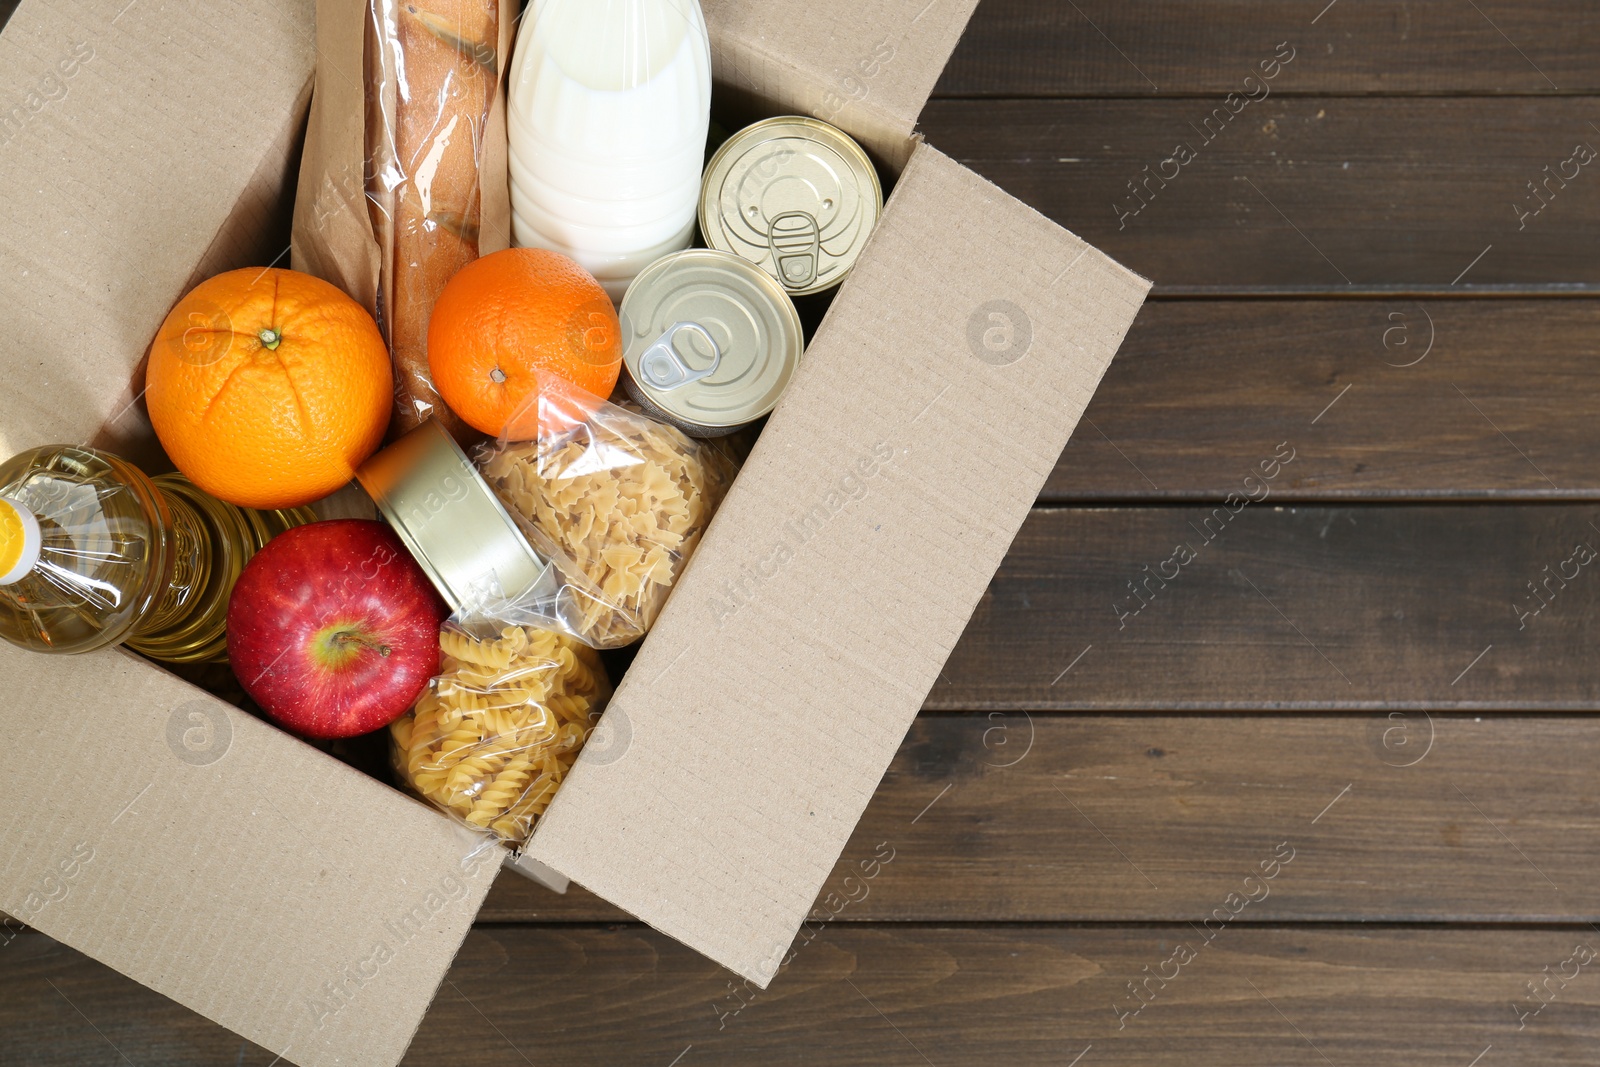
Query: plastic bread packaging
(615, 500)
(403, 181)
(495, 733)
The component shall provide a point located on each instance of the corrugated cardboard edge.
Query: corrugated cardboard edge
(545, 875)
(863, 530)
(868, 66)
(223, 863)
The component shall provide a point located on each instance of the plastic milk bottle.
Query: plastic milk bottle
(609, 103)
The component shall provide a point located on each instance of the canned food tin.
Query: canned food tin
(461, 535)
(709, 340)
(795, 196)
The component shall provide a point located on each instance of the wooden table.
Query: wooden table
(1318, 790)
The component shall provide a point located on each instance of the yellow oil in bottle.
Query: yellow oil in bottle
(93, 552)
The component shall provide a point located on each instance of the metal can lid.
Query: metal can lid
(461, 535)
(795, 196)
(709, 339)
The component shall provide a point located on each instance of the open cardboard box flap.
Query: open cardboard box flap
(867, 66)
(225, 864)
(837, 576)
(137, 150)
(742, 747)
(749, 734)
(314, 910)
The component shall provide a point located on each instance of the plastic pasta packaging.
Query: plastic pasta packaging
(496, 732)
(615, 499)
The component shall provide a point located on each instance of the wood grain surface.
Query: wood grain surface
(1013, 993)
(1324, 194)
(1320, 793)
(1112, 48)
(1391, 816)
(1028, 994)
(1287, 607)
(1385, 399)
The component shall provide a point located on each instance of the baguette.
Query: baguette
(450, 67)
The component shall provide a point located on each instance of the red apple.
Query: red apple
(333, 628)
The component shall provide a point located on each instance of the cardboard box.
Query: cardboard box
(314, 910)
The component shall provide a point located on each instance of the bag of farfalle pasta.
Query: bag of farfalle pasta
(493, 736)
(617, 502)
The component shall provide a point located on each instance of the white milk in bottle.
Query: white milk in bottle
(609, 105)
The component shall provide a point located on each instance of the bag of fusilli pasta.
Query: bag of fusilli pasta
(494, 734)
(616, 500)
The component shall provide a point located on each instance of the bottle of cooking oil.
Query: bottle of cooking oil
(94, 552)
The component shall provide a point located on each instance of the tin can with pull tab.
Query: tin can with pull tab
(709, 340)
(796, 197)
(662, 367)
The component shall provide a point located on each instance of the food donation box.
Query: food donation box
(314, 909)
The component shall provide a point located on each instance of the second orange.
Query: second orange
(512, 316)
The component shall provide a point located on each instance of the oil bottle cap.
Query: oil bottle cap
(19, 541)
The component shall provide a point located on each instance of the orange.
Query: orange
(269, 387)
(512, 317)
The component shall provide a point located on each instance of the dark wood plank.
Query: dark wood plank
(910, 995)
(60, 1008)
(1019, 995)
(979, 810)
(1326, 194)
(1112, 48)
(1426, 402)
(1000, 817)
(1357, 607)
